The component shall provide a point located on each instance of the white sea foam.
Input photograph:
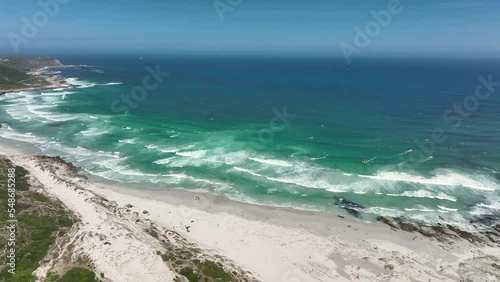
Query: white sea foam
(173, 134)
(420, 209)
(491, 170)
(77, 66)
(271, 190)
(167, 150)
(424, 194)
(320, 158)
(93, 132)
(122, 173)
(406, 152)
(50, 116)
(384, 211)
(192, 154)
(219, 155)
(48, 100)
(432, 218)
(213, 157)
(272, 162)
(19, 113)
(426, 159)
(308, 183)
(79, 83)
(12, 134)
(85, 84)
(59, 117)
(172, 151)
(443, 178)
(164, 161)
(58, 89)
(246, 170)
(63, 93)
(110, 83)
(180, 161)
(39, 107)
(447, 209)
(491, 205)
(128, 141)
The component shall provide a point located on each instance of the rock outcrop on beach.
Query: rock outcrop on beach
(446, 232)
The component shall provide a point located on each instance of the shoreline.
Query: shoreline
(300, 245)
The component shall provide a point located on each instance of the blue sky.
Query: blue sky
(313, 27)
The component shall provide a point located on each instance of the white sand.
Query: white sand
(130, 257)
(274, 244)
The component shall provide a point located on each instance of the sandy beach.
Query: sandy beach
(264, 244)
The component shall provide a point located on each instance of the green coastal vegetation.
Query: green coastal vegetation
(76, 274)
(189, 263)
(40, 221)
(14, 76)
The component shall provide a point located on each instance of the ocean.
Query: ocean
(397, 136)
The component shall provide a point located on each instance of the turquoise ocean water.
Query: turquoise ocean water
(291, 132)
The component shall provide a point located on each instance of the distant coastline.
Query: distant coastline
(23, 74)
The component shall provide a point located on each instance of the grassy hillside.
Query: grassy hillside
(40, 220)
(25, 64)
(13, 74)
(12, 77)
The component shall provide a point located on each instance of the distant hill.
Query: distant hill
(14, 76)
(25, 64)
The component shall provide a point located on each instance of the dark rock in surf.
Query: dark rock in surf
(486, 221)
(351, 207)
